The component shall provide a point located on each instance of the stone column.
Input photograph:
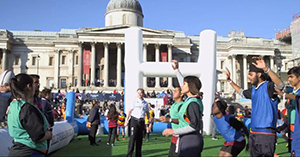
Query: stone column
(23, 60)
(10, 57)
(93, 64)
(245, 71)
(218, 86)
(272, 63)
(80, 70)
(71, 67)
(170, 80)
(157, 82)
(145, 60)
(4, 59)
(105, 64)
(57, 64)
(233, 68)
(119, 63)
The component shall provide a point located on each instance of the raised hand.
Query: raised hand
(175, 64)
(227, 73)
(260, 63)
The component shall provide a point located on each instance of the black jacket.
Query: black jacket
(94, 116)
(47, 110)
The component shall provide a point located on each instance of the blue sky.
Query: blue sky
(258, 18)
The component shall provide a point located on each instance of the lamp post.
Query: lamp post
(278, 60)
(38, 62)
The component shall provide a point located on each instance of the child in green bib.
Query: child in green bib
(190, 115)
(26, 123)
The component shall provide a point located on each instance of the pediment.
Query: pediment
(121, 30)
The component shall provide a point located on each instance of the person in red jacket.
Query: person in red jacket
(112, 118)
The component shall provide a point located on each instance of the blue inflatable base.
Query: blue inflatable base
(81, 124)
(158, 127)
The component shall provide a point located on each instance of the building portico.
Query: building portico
(93, 58)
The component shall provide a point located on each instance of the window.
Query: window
(17, 60)
(76, 60)
(75, 82)
(51, 61)
(222, 86)
(50, 82)
(222, 64)
(63, 83)
(33, 60)
(63, 60)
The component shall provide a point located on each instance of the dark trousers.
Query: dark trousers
(213, 128)
(262, 145)
(172, 150)
(92, 135)
(19, 149)
(191, 145)
(112, 131)
(137, 127)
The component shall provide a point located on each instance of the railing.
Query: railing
(296, 16)
(283, 32)
(287, 30)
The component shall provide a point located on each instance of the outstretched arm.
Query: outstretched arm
(165, 119)
(289, 96)
(234, 86)
(180, 77)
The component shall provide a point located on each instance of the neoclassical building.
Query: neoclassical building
(64, 58)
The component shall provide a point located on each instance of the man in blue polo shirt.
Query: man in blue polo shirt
(264, 107)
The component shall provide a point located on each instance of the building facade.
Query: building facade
(58, 57)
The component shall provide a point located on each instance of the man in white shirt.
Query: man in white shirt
(137, 123)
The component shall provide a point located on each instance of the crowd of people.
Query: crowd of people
(264, 116)
(32, 114)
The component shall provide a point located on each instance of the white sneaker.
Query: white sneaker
(214, 138)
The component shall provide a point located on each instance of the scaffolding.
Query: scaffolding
(295, 33)
(284, 32)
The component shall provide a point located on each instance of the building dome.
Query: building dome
(124, 12)
(125, 5)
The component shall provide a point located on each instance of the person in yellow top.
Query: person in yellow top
(149, 121)
(63, 109)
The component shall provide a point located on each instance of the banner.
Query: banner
(62, 134)
(102, 97)
(86, 61)
(164, 56)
